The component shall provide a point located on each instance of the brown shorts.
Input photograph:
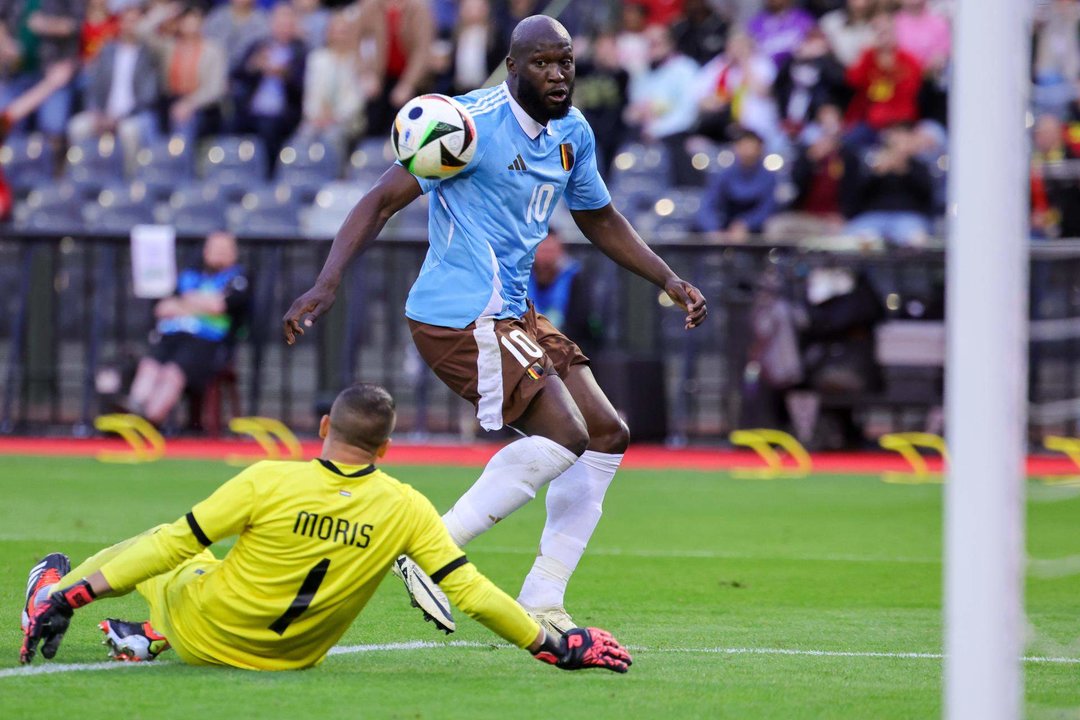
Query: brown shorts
(497, 365)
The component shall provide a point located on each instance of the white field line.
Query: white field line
(47, 669)
(52, 668)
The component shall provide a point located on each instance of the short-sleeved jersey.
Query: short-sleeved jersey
(485, 222)
(314, 543)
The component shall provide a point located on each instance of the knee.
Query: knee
(612, 436)
(573, 435)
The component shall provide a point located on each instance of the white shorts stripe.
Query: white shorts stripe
(489, 382)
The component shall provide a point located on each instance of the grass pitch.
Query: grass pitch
(706, 577)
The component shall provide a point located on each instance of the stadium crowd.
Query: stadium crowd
(834, 110)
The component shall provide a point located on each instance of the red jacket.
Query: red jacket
(884, 97)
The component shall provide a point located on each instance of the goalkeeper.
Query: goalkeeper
(314, 541)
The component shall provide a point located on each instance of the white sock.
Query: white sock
(511, 479)
(575, 502)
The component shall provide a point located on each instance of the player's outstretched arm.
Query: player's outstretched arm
(393, 191)
(579, 649)
(607, 229)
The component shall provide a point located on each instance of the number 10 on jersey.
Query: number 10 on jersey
(540, 203)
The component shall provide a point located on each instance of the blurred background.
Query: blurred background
(789, 157)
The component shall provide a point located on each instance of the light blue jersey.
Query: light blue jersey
(485, 222)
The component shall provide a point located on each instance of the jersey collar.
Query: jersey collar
(530, 126)
(337, 471)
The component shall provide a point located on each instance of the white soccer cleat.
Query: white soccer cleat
(425, 594)
(131, 641)
(555, 620)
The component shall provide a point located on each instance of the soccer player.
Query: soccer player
(472, 323)
(315, 539)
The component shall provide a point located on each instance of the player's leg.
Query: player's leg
(575, 498)
(575, 501)
(556, 435)
(170, 386)
(54, 571)
(145, 640)
(511, 383)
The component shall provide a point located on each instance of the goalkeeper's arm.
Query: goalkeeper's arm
(481, 600)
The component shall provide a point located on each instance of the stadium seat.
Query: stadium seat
(163, 165)
(27, 161)
(369, 161)
(273, 211)
(235, 164)
(639, 160)
(51, 208)
(672, 214)
(332, 203)
(306, 165)
(94, 164)
(196, 209)
(117, 209)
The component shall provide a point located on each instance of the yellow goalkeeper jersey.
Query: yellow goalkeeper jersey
(315, 540)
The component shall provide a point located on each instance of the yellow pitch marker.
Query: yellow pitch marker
(906, 444)
(272, 435)
(1071, 448)
(147, 444)
(765, 442)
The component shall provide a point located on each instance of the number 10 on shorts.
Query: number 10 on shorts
(519, 345)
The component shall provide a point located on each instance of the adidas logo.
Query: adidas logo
(518, 164)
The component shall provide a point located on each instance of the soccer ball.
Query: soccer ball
(433, 136)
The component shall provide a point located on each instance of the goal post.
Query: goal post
(986, 384)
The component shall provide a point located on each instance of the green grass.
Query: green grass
(682, 561)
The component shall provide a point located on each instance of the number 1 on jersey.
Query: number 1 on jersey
(540, 202)
(303, 598)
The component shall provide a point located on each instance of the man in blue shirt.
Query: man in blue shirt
(193, 332)
(473, 326)
(740, 199)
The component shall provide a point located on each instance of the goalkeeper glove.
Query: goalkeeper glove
(583, 648)
(51, 618)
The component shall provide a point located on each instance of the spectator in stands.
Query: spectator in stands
(848, 30)
(734, 91)
(559, 290)
(779, 28)
(701, 33)
(1072, 120)
(820, 8)
(661, 12)
(268, 85)
(99, 27)
(403, 32)
(895, 194)
(336, 86)
(236, 27)
(1057, 54)
(476, 48)
(600, 92)
(314, 20)
(740, 199)
(40, 38)
(194, 68)
(1055, 197)
(924, 34)
(660, 106)
(885, 82)
(823, 179)
(195, 331)
(810, 78)
(632, 44)
(122, 88)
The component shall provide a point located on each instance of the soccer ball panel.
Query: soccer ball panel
(433, 136)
